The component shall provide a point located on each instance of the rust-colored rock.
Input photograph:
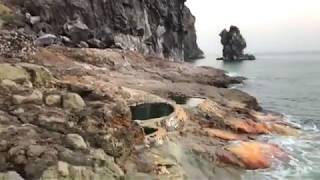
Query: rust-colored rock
(222, 134)
(251, 155)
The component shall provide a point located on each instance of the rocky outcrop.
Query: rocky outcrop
(233, 45)
(152, 27)
(84, 113)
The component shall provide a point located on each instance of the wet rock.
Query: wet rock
(75, 142)
(233, 45)
(46, 40)
(283, 129)
(53, 100)
(35, 97)
(222, 134)
(251, 155)
(73, 102)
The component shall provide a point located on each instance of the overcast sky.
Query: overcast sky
(267, 25)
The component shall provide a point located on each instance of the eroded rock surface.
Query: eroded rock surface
(65, 114)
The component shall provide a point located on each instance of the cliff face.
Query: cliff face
(163, 28)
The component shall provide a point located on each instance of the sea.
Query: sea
(288, 83)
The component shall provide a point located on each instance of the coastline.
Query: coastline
(103, 85)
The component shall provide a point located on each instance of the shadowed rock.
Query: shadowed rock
(153, 27)
(233, 45)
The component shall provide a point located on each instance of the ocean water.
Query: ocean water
(289, 84)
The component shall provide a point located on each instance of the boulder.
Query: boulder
(35, 97)
(73, 102)
(75, 142)
(46, 40)
(13, 73)
(40, 76)
(11, 85)
(10, 175)
(53, 100)
(32, 19)
(77, 30)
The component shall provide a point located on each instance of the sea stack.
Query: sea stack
(233, 45)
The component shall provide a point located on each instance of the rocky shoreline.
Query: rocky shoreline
(67, 113)
(115, 113)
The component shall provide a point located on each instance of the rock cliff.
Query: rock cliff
(153, 27)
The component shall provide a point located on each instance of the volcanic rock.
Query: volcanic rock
(233, 45)
(161, 28)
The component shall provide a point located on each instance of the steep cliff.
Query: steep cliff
(164, 28)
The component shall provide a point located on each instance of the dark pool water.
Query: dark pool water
(151, 111)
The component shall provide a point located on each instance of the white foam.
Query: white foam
(232, 74)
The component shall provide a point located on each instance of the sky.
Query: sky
(267, 25)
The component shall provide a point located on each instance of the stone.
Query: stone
(9, 84)
(83, 44)
(35, 97)
(40, 76)
(233, 45)
(46, 40)
(35, 150)
(11, 175)
(53, 100)
(95, 43)
(75, 142)
(65, 39)
(32, 19)
(73, 102)
(68, 171)
(13, 73)
(77, 30)
(63, 169)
